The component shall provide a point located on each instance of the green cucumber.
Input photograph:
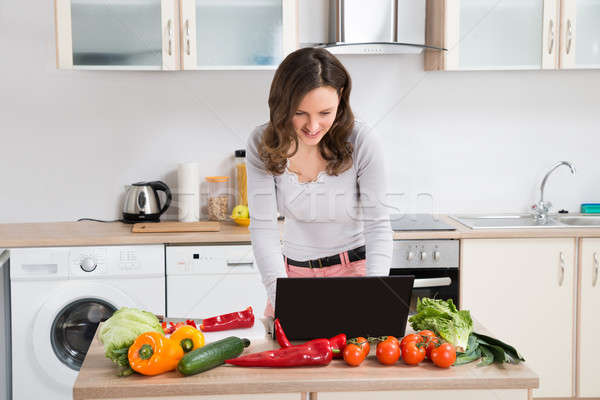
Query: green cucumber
(211, 355)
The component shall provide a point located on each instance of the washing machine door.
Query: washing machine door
(65, 325)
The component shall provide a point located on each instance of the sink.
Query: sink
(515, 221)
(526, 221)
(580, 220)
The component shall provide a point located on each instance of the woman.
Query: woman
(320, 169)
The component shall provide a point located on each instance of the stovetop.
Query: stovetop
(418, 222)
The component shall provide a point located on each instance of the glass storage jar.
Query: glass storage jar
(218, 198)
(241, 187)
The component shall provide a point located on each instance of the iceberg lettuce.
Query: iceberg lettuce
(119, 331)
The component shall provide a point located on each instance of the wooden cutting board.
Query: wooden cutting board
(174, 226)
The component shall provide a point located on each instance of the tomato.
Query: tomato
(444, 355)
(413, 353)
(388, 351)
(363, 343)
(412, 338)
(427, 333)
(431, 344)
(353, 354)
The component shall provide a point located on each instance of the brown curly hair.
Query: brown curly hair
(299, 73)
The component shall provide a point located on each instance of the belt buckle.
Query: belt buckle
(310, 265)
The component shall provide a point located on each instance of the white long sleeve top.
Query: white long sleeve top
(327, 216)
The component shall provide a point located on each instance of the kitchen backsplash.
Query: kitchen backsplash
(475, 141)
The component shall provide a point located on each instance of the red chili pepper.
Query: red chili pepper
(338, 342)
(164, 326)
(315, 352)
(191, 322)
(280, 335)
(240, 319)
(173, 327)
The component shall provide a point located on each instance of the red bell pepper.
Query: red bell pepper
(314, 352)
(235, 320)
(280, 335)
(338, 343)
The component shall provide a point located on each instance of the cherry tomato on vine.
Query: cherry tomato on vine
(427, 333)
(431, 344)
(388, 351)
(412, 338)
(444, 355)
(364, 344)
(353, 354)
(413, 353)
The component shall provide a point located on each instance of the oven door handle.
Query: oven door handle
(432, 282)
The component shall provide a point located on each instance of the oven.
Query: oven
(434, 264)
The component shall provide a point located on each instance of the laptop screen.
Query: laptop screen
(310, 308)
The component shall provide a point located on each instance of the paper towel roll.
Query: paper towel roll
(188, 182)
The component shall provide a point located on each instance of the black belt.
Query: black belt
(356, 254)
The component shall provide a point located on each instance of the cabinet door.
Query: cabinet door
(522, 291)
(116, 34)
(589, 322)
(233, 34)
(492, 34)
(580, 34)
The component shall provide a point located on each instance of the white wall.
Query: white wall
(477, 141)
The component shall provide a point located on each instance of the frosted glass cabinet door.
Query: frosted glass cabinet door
(492, 34)
(116, 34)
(580, 36)
(222, 34)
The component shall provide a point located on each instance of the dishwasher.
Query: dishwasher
(208, 280)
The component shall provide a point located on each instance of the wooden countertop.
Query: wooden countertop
(97, 378)
(87, 233)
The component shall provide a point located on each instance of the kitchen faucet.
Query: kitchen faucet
(540, 210)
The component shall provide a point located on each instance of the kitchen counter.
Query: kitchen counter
(97, 379)
(87, 233)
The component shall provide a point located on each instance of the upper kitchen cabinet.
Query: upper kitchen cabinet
(174, 34)
(580, 34)
(117, 34)
(492, 34)
(237, 34)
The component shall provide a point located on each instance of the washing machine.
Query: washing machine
(58, 298)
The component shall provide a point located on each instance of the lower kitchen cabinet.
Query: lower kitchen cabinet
(522, 290)
(512, 394)
(589, 323)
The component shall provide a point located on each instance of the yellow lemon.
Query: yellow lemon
(240, 212)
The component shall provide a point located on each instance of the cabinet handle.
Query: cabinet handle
(187, 36)
(561, 269)
(550, 36)
(595, 270)
(569, 35)
(170, 33)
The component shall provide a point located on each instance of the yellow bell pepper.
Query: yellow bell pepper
(152, 353)
(188, 337)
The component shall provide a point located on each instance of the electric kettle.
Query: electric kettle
(142, 203)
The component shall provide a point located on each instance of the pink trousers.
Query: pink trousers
(346, 268)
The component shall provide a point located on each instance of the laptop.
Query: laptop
(311, 308)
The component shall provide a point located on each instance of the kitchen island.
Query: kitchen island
(97, 380)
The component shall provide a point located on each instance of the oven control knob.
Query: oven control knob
(410, 256)
(423, 255)
(436, 255)
(88, 264)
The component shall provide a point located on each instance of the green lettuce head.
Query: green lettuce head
(119, 331)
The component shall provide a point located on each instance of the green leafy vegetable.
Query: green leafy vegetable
(487, 357)
(444, 319)
(508, 349)
(119, 331)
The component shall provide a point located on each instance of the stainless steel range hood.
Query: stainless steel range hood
(376, 27)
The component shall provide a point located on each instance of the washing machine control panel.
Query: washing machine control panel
(87, 260)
